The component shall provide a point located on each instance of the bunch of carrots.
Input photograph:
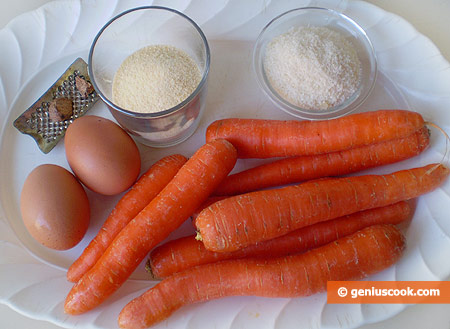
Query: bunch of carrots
(281, 242)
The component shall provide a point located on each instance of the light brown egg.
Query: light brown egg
(102, 155)
(54, 206)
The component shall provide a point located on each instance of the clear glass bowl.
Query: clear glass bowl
(323, 17)
(130, 31)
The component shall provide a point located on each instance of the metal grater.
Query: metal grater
(36, 120)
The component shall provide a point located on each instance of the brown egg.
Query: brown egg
(102, 155)
(54, 206)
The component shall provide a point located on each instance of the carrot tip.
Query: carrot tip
(447, 139)
(198, 237)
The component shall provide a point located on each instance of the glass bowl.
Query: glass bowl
(318, 17)
(135, 29)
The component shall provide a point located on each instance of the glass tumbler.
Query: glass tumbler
(130, 31)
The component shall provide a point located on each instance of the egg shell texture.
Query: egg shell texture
(102, 155)
(54, 206)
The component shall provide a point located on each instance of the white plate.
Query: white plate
(38, 46)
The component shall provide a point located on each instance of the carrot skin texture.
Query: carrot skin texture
(180, 254)
(207, 203)
(351, 258)
(297, 169)
(256, 138)
(245, 219)
(139, 196)
(193, 183)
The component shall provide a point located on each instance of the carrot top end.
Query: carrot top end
(198, 236)
(148, 268)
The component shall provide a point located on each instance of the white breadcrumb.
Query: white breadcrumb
(314, 68)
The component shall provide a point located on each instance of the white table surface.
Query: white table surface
(430, 18)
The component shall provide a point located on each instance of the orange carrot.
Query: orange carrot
(193, 183)
(139, 196)
(245, 219)
(353, 257)
(180, 254)
(204, 205)
(271, 138)
(297, 169)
